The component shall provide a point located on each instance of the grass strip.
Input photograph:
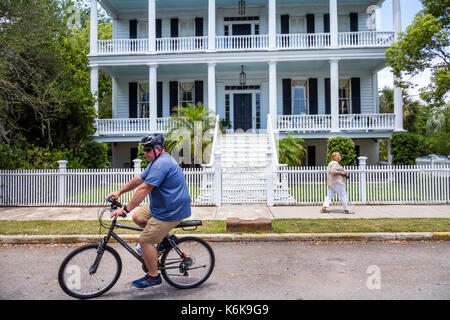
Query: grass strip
(86, 227)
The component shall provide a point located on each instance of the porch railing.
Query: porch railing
(304, 122)
(238, 43)
(365, 39)
(181, 44)
(122, 46)
(303, 40)
(126, 126)
(382, 121)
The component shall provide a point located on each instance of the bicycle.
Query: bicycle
(93, 269)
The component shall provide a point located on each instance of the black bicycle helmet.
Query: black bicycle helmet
(154, 140)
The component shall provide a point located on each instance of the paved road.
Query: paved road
(260, 270)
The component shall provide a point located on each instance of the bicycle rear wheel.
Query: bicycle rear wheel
(77, 280)
(193, 269)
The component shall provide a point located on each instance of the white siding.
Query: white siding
(122, 110)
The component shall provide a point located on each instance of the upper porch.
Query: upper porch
(203, 26)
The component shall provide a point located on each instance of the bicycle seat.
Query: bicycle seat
(186, 224)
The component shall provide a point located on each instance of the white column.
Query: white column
(212, 87)
(273, 92)
(153, 101)
(93, 29)
(272, 24)
(334, 94)
(333, 23)
(151, 26)
(398, 100)
(211, 24)
(94, 86)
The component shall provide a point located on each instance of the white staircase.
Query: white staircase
(244, 160)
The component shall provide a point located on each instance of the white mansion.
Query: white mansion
(307, 66)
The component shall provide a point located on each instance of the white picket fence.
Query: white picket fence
(280, 186)
(366, 185)
(86, 187)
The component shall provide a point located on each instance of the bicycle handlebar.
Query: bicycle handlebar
(115, 205)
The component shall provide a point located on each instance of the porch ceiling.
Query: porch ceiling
(287, 66)
(121, 5)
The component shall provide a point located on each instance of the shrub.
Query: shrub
(406, 147)
(291, 151)
(346, 147)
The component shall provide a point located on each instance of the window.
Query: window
(143, 101)
(187, 28)
(186, 93)
(298, 25)
(258, 110)
(300, 97)
(344, 97)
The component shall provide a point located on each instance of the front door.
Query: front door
(242, 111)
(241, 30)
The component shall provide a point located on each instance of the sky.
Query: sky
(409, 9)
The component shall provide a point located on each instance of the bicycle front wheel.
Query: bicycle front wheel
(78, 278)
(192, 268)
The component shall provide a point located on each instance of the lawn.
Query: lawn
(71, 227)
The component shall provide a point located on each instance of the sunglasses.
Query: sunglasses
(148, 149)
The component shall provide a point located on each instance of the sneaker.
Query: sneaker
(138, 249)
(147, 281)
(164, 244)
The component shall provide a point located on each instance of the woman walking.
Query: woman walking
(336, 179)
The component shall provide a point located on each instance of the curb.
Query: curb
(380, 236)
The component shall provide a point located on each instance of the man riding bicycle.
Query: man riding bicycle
(163, 181)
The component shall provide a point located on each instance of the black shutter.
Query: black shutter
(326, 23)
(285, 29)
(158, 28)
(327, 96)
(174, 33)
(354, 27)
(133, 29)
(356, 95)
(132, 99)
(287, 96)
(173, 89)
(198, 92)
(198, 27)
(310, 28)
(313, 97)
(174, 27)
(285, 24)
(159, 96)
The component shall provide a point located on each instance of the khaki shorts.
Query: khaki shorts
(155, 230)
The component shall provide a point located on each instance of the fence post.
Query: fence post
(362, 179)
(217, 167)
(270, 179)
(62, 181)
(137, 166)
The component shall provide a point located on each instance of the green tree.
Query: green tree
(345, 146)
(406, 147)
(424, 46)
(191, 126)
(291, 151)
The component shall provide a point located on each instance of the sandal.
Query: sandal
(324, 211)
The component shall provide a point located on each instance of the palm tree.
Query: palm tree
(291, 151)
(191, 124)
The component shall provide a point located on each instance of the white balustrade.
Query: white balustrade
(365, 39)
(122, 46)
(240, 43)
(304, 122)
(363, 122)
(181, 44)
(303, 40)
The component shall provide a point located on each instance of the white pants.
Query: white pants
(339, 189)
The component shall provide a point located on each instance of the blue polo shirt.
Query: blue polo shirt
(169, 199)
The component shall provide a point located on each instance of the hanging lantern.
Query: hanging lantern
(242, 77)
(241, 5)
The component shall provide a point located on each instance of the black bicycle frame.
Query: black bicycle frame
(111, 233)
